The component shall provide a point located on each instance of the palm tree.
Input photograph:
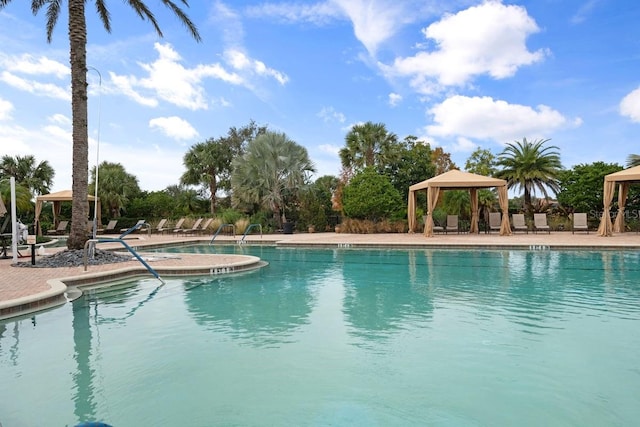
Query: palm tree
(77, 29)
(368, 144)
(530, 166)
(37, 178)
(272, 171)
(116, 188)
(633, 160)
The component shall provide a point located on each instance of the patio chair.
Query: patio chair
(540, 223)
(579, 222)
(160, 228)
(110, 228)
(452, 224)
(178, 227)
(204, 227)
(193, 230)
(495, 220)
(436, 227)
(519, 223)
(60, 229)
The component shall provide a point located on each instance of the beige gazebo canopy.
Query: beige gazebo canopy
(57, 198)
(457, 180)
(625, 178)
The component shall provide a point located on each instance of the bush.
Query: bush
(371, 196)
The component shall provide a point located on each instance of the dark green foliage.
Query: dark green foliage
(581, 187)
(371, 196)
(410, 164)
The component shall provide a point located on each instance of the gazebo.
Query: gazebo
(624, 178)
(57, 198)
(457, 180)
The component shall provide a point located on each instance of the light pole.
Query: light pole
(95, 201)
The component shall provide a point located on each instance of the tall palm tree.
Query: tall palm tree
(367, 144)
(77, 27)
(633, 160)
(37, 178)
(272, 171)
(116, 188)
(530, 166)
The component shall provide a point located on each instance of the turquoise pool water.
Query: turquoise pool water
(341, 337)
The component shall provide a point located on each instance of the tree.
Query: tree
(633, 160)
(371, 196)
(412, 164)
(116, 187)
(77, 29)
(481, 162)
(315, 202)
(367, 145)
(530, 166)
(209, 163)
(271, 173)
(581, 187)
(442, 160)
(37, 178)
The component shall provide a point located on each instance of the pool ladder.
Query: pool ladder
(241, 241)
(222, 226)
(92, 243)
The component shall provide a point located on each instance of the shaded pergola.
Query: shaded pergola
(624, 179)
(458, 180)
(57, 198)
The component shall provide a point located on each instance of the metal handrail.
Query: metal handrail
(249, 229)
(220, 229)
(85, 258)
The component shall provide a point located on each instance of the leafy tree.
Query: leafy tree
(481, 162)
(442, 160)
(457, 202)
(209, 163)
(412, 164)
(530, 166)
(367, 145)
(37, 178)
(271, 173)
(23, 198)
(116, 187)
(186, 200)
(581, 187)
(371, 196)
(315, 202)
(77, 30)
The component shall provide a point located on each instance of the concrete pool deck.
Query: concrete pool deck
(26, 290)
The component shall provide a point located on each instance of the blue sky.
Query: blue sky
(459, 74)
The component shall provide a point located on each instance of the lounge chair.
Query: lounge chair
(495, 220)
(110, 228)
(204, 227)
(519, 223)
(60, 229)
(540, 223)
(579, 222)
(136, 227)
(452, 224)
(190, 231)
(178, 227)
(160, 228)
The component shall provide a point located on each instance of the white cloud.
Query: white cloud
(5, 109)
(241, 62)
(394, 99)
(49, 90)
(485, 39)
(329, 114)
(27, 64)
(489, 119)
(630, 105)
(174, 127)
(464, 145)
(318, 13)
(330, 149)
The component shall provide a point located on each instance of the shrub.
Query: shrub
(371, 196)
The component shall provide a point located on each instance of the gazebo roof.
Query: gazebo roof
(631, 174)
(60, 196)
(458, 179)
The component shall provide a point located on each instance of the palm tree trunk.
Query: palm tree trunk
(80, 175)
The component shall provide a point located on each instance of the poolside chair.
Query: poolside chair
(204, 227)
(452, 224)
(60, 229)
(579, 222)
(436, 227)
(110, 228)
(519, 223)
(495, 220)
(160, 228)
(137, 227)
(178, 227)
(193, 230)
(540, 223)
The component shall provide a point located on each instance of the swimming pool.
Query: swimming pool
(342, 337)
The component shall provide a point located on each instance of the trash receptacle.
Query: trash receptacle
(287, 227)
